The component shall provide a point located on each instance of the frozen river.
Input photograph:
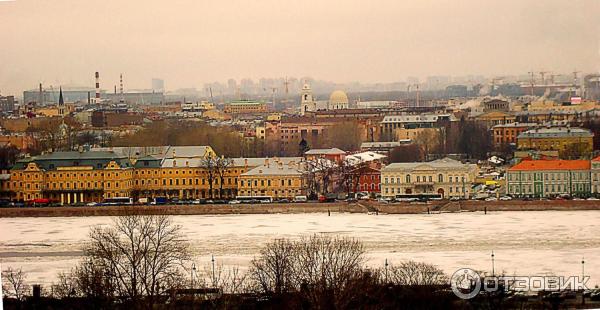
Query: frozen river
(524, 243)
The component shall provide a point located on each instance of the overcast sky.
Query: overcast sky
(190, 42)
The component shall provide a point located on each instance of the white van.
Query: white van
(300, 199)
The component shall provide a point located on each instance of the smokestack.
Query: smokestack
(97, 87)
(89, 99)
(121, 87)
(41, 100)
(115, 89)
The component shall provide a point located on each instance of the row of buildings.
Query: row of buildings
(194, 172)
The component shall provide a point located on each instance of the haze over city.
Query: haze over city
(275, 154)
(189, 43)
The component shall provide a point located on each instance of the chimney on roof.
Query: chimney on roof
(267, 162)
(174, 163)
(246, 162)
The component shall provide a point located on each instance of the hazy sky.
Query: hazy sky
(189, 42)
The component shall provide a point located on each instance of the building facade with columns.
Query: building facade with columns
(446, 177)
(72, 177)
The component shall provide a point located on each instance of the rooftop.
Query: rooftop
(331, 151)
(274, 169)
(444, 163)
(555, 132)
(420, 118)
(244, 102)
(516, 124)
(531, 165)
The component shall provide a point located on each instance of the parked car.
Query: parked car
(491, 199)
(505, 198)
(593, 198)
(234, 202)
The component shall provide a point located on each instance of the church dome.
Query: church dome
(338, 97)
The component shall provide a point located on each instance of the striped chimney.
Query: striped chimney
(97, 87)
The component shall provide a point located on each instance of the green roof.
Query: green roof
(97, 160)
(245, 102)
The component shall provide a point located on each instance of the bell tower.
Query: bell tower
(307, 102)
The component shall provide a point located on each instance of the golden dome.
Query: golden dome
(338, 97)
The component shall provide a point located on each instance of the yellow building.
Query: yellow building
(494, 118)
(414, 133)
(555, 138)
(245, 107)
(278, 178)
(552, 106)
(443, 178)
(72, 177)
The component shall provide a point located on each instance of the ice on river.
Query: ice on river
(524, 243)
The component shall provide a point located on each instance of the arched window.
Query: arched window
(408, 178)
(440, 178)
(305, 96)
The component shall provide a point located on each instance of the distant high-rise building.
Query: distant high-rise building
(231, 86)
(158, 85)
(7, 103)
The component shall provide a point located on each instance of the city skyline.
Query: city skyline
(191, 43)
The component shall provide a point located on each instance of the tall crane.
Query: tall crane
(542, 75)
(531, 80)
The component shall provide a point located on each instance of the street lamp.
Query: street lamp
(386, 271)
(213, 270)
(192, 273)
(493, 267)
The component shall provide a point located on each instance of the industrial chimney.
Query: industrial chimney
(97, 87)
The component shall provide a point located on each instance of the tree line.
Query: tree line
(142, 262)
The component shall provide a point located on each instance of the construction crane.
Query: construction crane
(575, 72)
(531, 80)
(286, 83)
(494, 80)
(542, 75)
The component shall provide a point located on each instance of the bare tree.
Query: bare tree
(272, 271)
(222, 166)
(319, 267)
(210, 164)
(142, 256)
(428, 140)
(66, 286)
(323, 172)
(14, 283)
(327, 264)
(415, 273)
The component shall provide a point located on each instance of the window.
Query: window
(408, 178)
(440, 178)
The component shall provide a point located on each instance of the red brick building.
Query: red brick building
(369, 180)
(507, 133)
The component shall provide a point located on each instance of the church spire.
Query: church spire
(61, 101)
